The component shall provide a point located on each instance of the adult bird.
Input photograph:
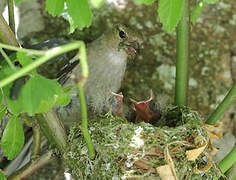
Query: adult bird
(107, 57)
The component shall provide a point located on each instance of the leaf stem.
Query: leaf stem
(223, 106)
(29, 51)
(83, 107)
(181, 80)
(49, 54)
(10, 4)
(7, 59)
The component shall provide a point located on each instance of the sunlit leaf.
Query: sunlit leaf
(97, 3)
(63, 99)
(197, 11)
(13, 138)
(80, 13)
(37, 89)
(55, 7)
(170, 12)
(25, 60)
(2, 176)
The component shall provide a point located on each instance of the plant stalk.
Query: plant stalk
(53, 129)
(84, 125)
(10, 4)
(181, 80)
(223, 106)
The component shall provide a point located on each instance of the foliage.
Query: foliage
(13, 138)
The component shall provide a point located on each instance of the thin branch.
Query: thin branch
(33, 166)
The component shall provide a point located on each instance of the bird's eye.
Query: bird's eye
(122, 34)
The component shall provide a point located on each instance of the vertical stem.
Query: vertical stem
(181, 80)
(10, 4)
(223, 106)
(84, 125)
(36, 141)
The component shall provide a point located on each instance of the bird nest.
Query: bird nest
(131, 151)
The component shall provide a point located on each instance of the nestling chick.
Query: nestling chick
(107, 57)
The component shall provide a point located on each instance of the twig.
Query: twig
(33, 166)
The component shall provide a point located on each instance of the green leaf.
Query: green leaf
(15, 106)
(197, 11)
(55, 7)
(45, 105)
(12, 138)
(3, 110)
(170, 12)
(80, 13)
(63, 99)
(37, 89)
(17, 1)
(97, 3)
(25, 60)
(147, 2)
(2, 176)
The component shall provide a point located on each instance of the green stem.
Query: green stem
(6, 35)
(226, 163)
(29, 51)
(223, 106)
(7, 59)
(32, 166)
(53, 129)
(197, 10)
(84, 125)
(49, 54)
(36, 141)
(10, 4)
(83, 108)
(181, 79)
(228, 160)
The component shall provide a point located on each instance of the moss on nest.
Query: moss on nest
(133, 151)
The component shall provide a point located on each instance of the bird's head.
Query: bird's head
(125, 39)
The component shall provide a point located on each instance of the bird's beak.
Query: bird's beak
(131, 48)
